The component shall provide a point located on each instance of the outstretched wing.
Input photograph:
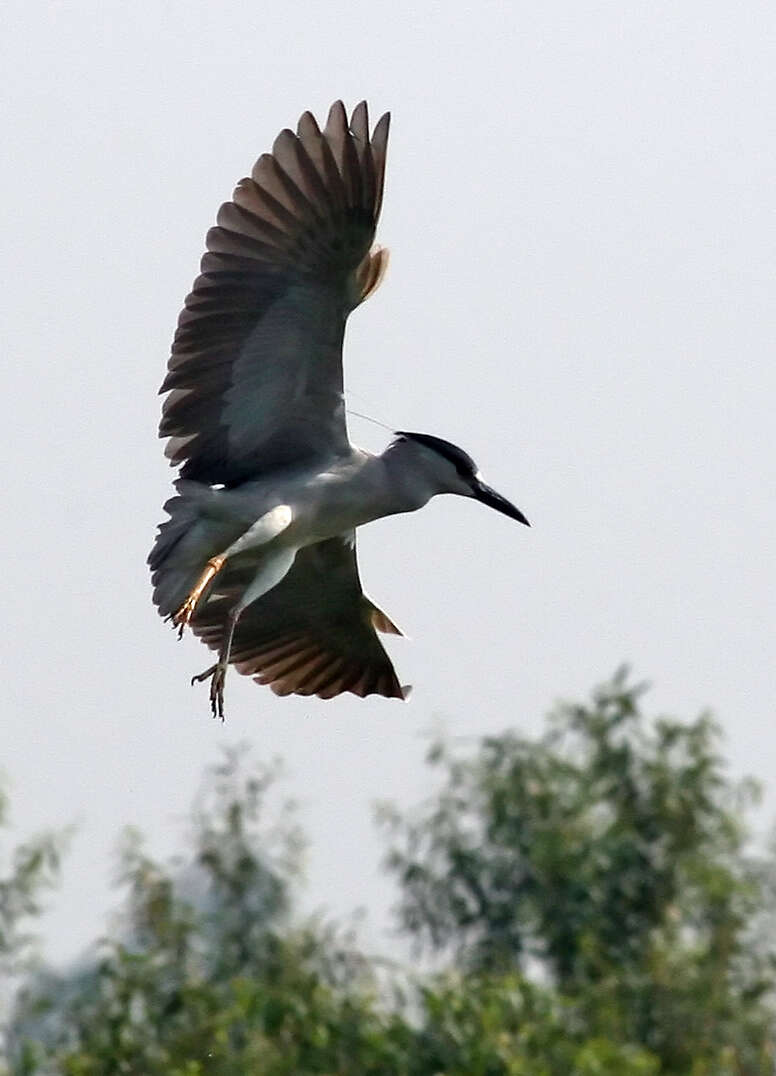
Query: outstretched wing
(313, 634)
(255, 375)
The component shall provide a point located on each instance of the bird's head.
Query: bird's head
(451, 470)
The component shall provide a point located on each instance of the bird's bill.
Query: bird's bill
(486, 495)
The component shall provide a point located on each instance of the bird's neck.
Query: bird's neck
(405, 485)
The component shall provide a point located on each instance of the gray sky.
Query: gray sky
(580, 210)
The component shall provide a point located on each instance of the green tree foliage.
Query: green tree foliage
(207, 974)
(146, 982)
(29, 870)
(610, 856)
(587, 894)
(32, 868)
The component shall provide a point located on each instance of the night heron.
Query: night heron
(258, 556)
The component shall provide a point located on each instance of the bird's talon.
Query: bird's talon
(182, 618)
(198, 679)
(217, 676)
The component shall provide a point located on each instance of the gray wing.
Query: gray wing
(255, 375)
(313, 634)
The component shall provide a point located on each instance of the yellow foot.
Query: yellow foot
(182, 618)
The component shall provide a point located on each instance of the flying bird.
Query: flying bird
(258, 555)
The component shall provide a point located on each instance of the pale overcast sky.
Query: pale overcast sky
(580, 209)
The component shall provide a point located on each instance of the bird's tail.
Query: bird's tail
(176, 558)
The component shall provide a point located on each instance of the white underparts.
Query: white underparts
(274, 568)
(275, 564)
(266, 527)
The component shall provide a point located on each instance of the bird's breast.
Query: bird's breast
(333, 504)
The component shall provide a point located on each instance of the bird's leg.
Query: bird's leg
(270, 570)
(217, 673)
(183, 616)
(260, 533)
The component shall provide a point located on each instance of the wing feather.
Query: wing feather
(254, 380)
(315, 633)
(295, 164)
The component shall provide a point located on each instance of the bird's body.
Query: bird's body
(258, 554)
(322, 503)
